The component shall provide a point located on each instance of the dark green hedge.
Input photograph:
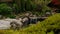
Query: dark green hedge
(5, 9)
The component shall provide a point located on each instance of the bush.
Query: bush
(11, 16)
(49, 26)
(15, 8)
(5, 9)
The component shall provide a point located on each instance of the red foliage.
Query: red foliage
(56, 2)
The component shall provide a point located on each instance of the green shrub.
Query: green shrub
(16, 9)
(11, 16)
(5, 9)
(48, 26)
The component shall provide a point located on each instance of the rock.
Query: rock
(4, 24)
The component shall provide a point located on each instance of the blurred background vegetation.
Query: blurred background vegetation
(38, 7)
(49, 26)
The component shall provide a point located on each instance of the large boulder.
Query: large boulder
(4, 24)
(15, 22)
